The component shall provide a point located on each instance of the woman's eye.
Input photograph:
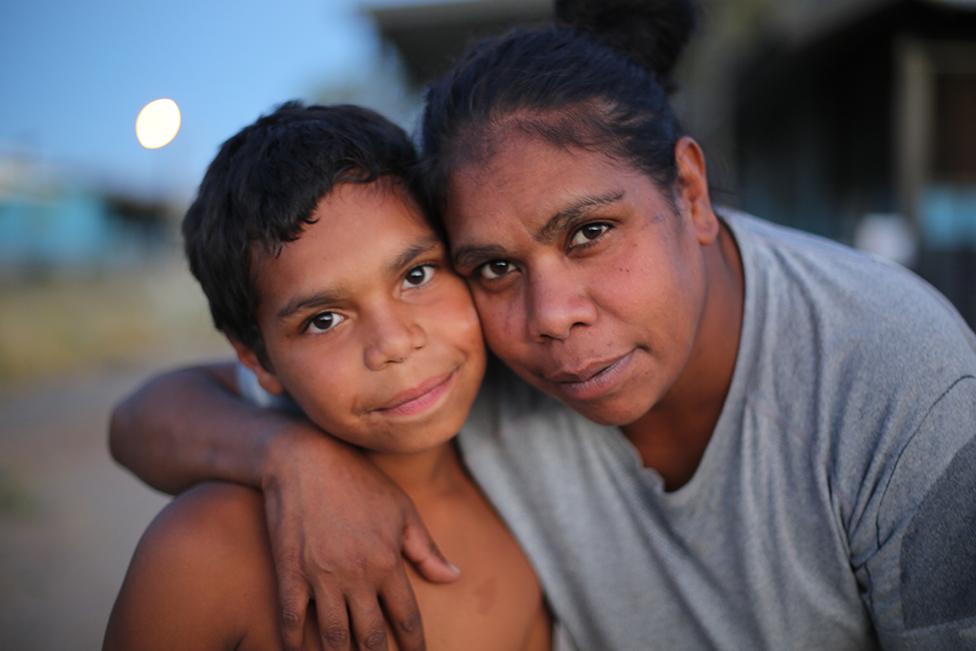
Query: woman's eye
(324, 322)
(495, 269)
(418, 276)
(589, 233)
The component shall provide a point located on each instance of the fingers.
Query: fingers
(333, 622)
(402, 613)
(293, 588)
(368, 625)
(421, 550)
(293, 600)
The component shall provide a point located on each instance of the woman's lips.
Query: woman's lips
(418, 399)
(593, 381)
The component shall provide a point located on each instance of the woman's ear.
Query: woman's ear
(692, 189)
(267, 379)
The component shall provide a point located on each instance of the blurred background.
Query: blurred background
(855, 119)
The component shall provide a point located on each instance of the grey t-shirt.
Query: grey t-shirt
(834, 508)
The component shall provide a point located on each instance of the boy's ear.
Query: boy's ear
(268, 380)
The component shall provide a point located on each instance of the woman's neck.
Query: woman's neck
(673, 435)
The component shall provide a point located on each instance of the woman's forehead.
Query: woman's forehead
(581, 125)
(529, 174)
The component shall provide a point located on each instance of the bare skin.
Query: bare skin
(203, 577)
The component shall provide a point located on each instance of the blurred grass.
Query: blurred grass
(63, 324)
(15, 499)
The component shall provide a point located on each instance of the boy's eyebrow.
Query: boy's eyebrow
(300, 303)
(562, 218)
(466, 256)
(420, 247)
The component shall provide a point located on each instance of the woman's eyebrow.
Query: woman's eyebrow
(560, 220)
(466, 256)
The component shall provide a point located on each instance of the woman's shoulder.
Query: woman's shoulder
(201, 576)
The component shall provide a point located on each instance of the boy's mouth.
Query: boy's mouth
(419, 398)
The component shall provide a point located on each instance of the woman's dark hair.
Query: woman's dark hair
(598, 79)
(262, 187)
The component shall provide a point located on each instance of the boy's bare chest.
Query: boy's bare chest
(497, 602)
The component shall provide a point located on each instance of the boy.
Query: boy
(324, 275)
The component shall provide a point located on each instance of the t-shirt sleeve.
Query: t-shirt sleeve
(250, 389)
(920, 582)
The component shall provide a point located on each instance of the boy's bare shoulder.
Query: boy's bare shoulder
(201, 577)
(206, 531)
(206, 511)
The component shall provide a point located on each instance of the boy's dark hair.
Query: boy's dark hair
(599, 79)
(262, 188)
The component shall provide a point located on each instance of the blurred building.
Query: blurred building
(430, 34)
(854, 119)
(860, 122)
(52, 225)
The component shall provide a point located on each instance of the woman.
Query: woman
(765, 430)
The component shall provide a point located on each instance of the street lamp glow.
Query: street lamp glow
(158, 123)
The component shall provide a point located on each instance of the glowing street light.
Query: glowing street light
(158, 123)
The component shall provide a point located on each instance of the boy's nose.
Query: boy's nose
(392, 340)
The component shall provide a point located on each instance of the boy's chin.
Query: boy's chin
(411, 441)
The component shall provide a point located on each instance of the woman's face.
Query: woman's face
(589, 281)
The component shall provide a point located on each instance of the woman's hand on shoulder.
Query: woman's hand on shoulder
(340, 530)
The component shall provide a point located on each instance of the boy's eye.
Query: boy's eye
(495, 269)
(324, 322)
(588, 233)
(418, 276)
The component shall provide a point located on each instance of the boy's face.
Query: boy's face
(366, 326)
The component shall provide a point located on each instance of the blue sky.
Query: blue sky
(73, 76)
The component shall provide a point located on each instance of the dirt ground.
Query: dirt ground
(69, 517)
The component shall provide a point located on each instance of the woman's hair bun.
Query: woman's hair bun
(652, 32)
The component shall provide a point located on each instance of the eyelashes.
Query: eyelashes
(589, 233)
(323, 322)
(494, 269)
(419, 276)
